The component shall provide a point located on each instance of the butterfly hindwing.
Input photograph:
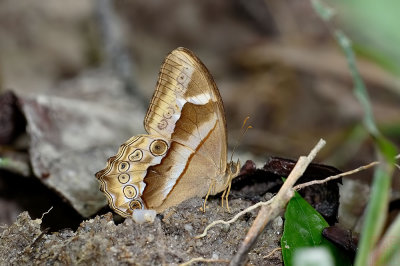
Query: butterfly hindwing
(122, 179)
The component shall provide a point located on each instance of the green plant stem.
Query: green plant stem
(389, 245)
(376, 213)
(360, 90)
(377, 207)
(378, 204)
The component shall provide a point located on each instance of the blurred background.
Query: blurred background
(273, 60)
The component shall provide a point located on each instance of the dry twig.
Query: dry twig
(272, 252)
(269, 212)
(41, 218)
(234, 219)
(317, 182)
(200, 259)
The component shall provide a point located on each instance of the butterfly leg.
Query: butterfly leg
(222, 198)
(233, 171)
(227, 195)
(212, 185)
(226, 192)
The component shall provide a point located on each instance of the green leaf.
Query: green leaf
(303, 228)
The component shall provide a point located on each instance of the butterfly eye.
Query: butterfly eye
(123, 166)
(130, 191)
(135, 204)
(123, 178)
(158, 147)
(135, 156)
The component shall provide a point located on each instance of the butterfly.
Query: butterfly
(184, 153)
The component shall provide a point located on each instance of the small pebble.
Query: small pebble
(150, 238)
(225, 227)
(141, 216)
(188, 227)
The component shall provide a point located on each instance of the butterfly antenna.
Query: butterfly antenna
(242, 133)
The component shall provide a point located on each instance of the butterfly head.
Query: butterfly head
(233, 168)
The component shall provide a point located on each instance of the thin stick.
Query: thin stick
(329, 178)
(317, 182)
(200, 259)
(272, 253)
(267, 213)
(234, 219)
(41, 218)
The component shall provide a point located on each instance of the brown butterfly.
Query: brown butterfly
(185, 152)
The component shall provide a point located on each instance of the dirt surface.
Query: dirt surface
(275, 61)
(169, 240)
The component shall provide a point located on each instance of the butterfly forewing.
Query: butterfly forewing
(197, 130)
